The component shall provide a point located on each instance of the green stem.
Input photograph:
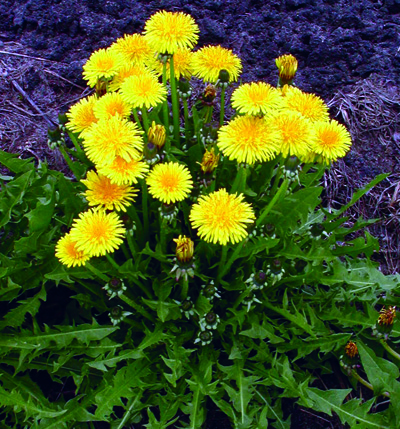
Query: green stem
(222, 112)
(366, 384)
(133, 246)
(165, 106)
(138, 308)
(221, 267)
(163, 234)
(145, 211)
(389, 349)
(136, 116)
(175, 101)
(185, 287)
(186, 115)
(282, 191)
(276, 180)
(98, 273)
(69, 162)
(112, 262)
(125, 250)
(75, 142)
(232, 259)
(143, 288)
(208, 115)
(145, 119)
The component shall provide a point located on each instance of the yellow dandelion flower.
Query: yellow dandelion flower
(287, 66)
(248, 139)
(111, 104)
(168, 31)
(170, 182)
(122, 172)
(221, 217)
(113, 137)
(331, 141)
(109, 196)
(133, 48)
(295, 132)
(209, 162)
(126, 71)
(81, 115)
(68, 254)
(183, 58)
(256, 98)
(102, 64)
(97, 232)
(310, 106)
(210, 60)
(143, 91)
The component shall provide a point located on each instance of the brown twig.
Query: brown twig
(29, 56)
(63, 78)
(32, 103)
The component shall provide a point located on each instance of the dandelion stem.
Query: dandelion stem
(69, 162)
(137, 307)
(186, 115)
(125, 250)
(97, 272)
(163, 235)
(145, 119)
(222, 262)
(175, 101)
(111, 261)
(222, 112)
(282, 191)
(136, 116)
(143, 288)
(224, 267)
(165, 105)
(389, 349)
(185, 287)
(134, 249)
(276, 180)
(145, 211)
(366, 384)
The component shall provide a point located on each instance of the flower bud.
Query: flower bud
(287, 67)
(184, 249)
(157, 135)
(115, 287)
(350, 358)
(384, 324)
(209, 94)
(209, 162)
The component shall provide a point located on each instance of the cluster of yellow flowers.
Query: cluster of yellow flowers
(269, 121)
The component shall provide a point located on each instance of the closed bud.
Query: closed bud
(287, 67)
(184, 249)
(209, 162)
(223, 76)
(157, 135)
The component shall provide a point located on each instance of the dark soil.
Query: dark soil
(348, 52)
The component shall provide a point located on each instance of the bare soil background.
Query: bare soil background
(348, 52)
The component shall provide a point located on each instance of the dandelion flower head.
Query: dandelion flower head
(97, 232)
(248, 139)
(295, 131)
(102, 64)
(111, 104)
(310, 106)
(133, 48)
(122, 172)
(143, 91)
(287, 67)
(168, 31)
(113, 137)
(169, 182)
(126, 71)
(221, 217)
(68, 254)
(256, 98)
(81, 115)
(331, 140)
(103, 193)
(210, 60)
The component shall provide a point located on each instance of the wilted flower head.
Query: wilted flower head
(387, 316)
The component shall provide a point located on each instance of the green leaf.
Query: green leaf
(15, 164)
